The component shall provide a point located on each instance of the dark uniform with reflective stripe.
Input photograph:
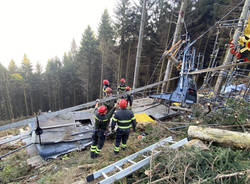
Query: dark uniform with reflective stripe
(124, 119)
(98, 138)
(104, 90)
(122, 88)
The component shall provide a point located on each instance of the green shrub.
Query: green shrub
(235, 112)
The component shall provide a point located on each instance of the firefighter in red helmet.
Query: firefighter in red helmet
(105, 86)
(124, 119)
(122, 87)
(101, 124)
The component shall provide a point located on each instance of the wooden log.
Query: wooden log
(218, 68)
(237, 139)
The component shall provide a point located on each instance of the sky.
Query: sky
(43, 29)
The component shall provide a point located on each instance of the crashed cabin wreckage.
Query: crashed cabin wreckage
(186, 90)
(68, 130)
(73, 131)
(57, 133)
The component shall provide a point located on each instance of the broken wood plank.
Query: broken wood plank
(237, 139)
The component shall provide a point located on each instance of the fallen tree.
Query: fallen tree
(237, 139)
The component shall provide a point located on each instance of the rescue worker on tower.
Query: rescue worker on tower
(101, 124)
(105, 86)
(129, 98)
(122, 87)
(124, 119)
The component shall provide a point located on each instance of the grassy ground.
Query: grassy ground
(76, 165)
(172, 166)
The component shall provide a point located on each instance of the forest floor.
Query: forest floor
(219, 164)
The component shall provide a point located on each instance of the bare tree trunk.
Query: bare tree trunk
(74, 97)
(139, 47)
(119, 67)
(89, 79)
(10, 108)
(31, 103)
(166, 47)
(232, 138)
(50, 98)
(25, 99)
(128, 60)
(60, 99)
(103, 60)
(177, 33)
(58, 95)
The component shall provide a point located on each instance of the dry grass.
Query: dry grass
(65, 169)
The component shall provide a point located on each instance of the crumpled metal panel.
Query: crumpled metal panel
(64, 134)
(48, 151)
(60, 140)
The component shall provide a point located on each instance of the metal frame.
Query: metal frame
(135, 165)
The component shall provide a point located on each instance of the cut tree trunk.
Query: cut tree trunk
(237, 139)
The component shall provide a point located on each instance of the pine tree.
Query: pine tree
(37, 88)
(12, 67)
(6, 110)
(105, 37)
(26, 71)
(54, 85)
(124, 31)
(88, 65)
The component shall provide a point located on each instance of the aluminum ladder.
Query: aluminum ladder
(117, 166)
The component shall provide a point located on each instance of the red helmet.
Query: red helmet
(105, 82)
(108, 90)
(123, 103)
(102, 110)
(127, 88)
(122, 80)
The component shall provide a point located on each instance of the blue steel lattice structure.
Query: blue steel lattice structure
(186, 90)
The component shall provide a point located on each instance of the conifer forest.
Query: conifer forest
(177, 111)
(108, 54)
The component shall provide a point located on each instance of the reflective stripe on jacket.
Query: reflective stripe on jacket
(124, 119)
(122, 88)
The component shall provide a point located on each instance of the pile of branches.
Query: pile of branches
(219, 165)
(233, 115)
